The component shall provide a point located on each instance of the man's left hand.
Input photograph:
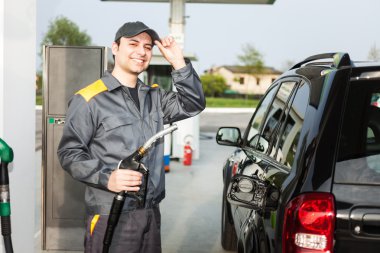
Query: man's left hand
(171, 51)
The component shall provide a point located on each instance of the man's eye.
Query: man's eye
(148, 48)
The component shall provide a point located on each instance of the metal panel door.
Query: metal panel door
(66, 70)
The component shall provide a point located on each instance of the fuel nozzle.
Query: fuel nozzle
(132, 162)
(141, 151)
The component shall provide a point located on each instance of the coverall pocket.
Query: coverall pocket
(111, 123)
(119, 135)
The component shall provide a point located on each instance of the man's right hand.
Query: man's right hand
(124, 180)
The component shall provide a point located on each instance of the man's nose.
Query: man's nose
(141, 50)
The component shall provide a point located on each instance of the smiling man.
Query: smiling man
(111, 118)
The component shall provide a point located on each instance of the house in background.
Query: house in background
(241, 82)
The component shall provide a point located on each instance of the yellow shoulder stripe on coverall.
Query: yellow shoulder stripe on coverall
(92, 90)
(93, 222)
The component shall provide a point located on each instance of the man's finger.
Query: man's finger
(130, 173)
(131, 189)
(167, 42)
(158, 44)
(131, 183)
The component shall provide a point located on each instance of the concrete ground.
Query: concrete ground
(192, 209)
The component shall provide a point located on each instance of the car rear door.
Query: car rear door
(278, 139)
(285, 143)
(356, 184)
(246, 163)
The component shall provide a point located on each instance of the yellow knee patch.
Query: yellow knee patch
(93, 222)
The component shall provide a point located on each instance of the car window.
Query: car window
(375, 99)
(276, 114)
(273, 107)
(258, 117)
(290, 132)
(359, 145)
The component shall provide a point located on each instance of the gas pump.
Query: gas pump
(6, 157)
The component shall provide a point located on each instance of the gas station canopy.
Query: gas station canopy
(204, 1)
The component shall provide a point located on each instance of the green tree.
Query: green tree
(64, 32)
(374, 53)
(251, 59)
(213, 85)
(61, 32)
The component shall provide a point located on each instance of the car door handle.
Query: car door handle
(371, 224)
(371, 219)
(366, 221)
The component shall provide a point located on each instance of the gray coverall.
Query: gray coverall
(103, 125)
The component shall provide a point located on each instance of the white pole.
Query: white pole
(177, 21)
(188, 130)
(17, 114)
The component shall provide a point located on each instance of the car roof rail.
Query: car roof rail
(339, 60)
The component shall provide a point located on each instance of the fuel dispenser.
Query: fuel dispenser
(66, 70)
(6, 157)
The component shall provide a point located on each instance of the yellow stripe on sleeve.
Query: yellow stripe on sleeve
(92, 90)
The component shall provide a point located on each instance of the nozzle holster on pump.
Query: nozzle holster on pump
(6, 157)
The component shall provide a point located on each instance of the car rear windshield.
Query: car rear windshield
(359, 148)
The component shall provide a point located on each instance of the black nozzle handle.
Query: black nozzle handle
(113, 219)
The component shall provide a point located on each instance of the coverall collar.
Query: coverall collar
(112, 83)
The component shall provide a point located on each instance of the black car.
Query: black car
(305, 175)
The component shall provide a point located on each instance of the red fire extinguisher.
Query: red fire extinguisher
(187, 154)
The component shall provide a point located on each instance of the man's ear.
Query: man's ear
(115, 48)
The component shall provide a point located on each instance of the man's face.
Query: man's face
(133, 54)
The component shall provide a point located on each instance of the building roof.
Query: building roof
(242, 69)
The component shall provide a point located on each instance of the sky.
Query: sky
(288, 30)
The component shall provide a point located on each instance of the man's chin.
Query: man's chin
(140, 70)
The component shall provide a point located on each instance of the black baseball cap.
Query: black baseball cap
(131, 29)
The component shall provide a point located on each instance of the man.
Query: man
(109, 119)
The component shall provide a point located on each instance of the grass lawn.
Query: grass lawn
(211, 102)
(231, 102)
(39, 100)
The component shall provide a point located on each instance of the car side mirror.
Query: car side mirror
(228, 136)
(251, 192)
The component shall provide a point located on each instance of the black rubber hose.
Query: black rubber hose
(6, 232)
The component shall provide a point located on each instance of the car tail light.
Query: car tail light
(309, 224)
(234, 169)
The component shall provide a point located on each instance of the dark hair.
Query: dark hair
(118, 44)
